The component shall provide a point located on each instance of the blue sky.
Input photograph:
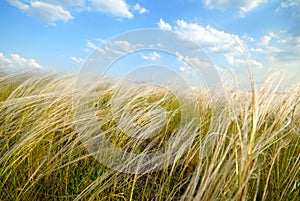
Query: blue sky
(59, 35)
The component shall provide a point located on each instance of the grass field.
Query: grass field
(238, 149)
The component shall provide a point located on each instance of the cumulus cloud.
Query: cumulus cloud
(18, 4)
(152, 56)
(91, 45)
(16, 61)
(117, 8)
(266, 39)
(208, 37)
(243, 6)
(42, 10)
(117, 47)
(288, 4)
(256, 50)
(48, 12)
(217, 43)
(284, 49)
(140, 9)
(183, 68)
(238, 62)
(52, 11)
(123, 44)
(224, 49)
(163, 25)
(274, 50)
(278, 51)
(195, 62)
(248, 38)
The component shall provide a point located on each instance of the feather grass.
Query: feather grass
(44, 157)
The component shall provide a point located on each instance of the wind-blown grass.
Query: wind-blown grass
(43, 157)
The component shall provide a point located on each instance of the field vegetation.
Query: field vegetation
(238, 149)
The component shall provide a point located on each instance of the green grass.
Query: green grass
(42, 156)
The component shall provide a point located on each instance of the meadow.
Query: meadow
(244, 148)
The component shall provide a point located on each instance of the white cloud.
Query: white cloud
(16, 61)
(4, 60)
(52, 11)
(279, 51)
(48, 12)
(189, 63)
(18, 4)
(152, 56)
(273, 43)
(257, 50)
(163, 25)
(68, 2)
(208, 37)
(78, 60)
(140, 9)
(223, 48)
(288, 51)
(244, 6)
(249, 5)
(183, 68)
(117, 8)
(44, 11)
(236, 61)
(291, 8)
(117, 47)
(266, 39)
(248, 38)
(122, 44)
(274, 50)
(101, 50)
(100, 40)
(91, 45)
(289, 3)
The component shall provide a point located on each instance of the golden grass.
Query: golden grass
(44, 157)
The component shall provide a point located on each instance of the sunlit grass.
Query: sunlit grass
(43, 157)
